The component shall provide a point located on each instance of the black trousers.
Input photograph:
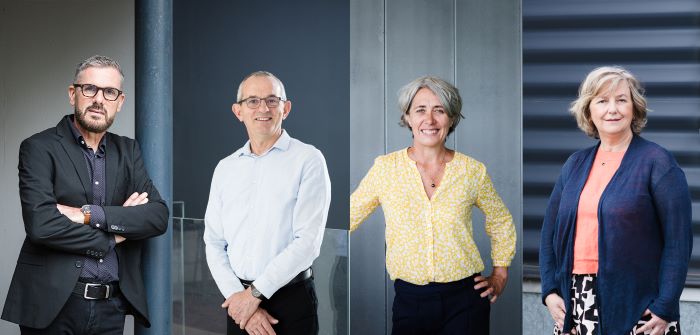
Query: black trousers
(295, 306)
(80, 316)
(440, 308)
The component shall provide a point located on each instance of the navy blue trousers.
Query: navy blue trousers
(440, 308)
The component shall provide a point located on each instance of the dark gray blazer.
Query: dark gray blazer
(52, 170)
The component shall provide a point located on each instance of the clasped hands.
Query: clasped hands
(495, 283)
(245, 310)
(556, 307)
(76, 215)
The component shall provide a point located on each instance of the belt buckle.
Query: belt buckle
(88, 285)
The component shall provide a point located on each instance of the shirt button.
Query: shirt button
(97, 183)
(97, 225)
(78, 264)
(101, 260)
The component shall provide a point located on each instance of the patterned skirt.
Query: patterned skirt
(585, 311)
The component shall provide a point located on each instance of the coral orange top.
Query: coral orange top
(586, 241)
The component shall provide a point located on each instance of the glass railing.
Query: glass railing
(197, 300)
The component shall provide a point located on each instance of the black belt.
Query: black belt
(304, 275)
(92, 291)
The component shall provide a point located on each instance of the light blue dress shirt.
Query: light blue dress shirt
(266, 215)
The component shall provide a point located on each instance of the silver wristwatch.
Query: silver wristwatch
(256, 294)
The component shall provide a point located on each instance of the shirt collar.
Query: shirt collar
(282, 143)
(79, 138)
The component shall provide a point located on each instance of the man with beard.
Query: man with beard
(88, 205)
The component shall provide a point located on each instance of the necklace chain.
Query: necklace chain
(441, 163)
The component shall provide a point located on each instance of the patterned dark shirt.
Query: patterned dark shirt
(106, 269)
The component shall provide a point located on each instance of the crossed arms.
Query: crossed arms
(52, 219)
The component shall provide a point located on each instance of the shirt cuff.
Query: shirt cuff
(265, 287)
(503, 263)
(97, 217)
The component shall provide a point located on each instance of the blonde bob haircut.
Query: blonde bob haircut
(607, 78)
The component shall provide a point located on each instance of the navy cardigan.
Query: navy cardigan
(644, 236)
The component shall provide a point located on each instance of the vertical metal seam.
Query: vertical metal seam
(386, 103)
(454, 41)
(454, 60)
(386, 143)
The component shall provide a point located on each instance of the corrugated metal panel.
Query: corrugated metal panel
(659, 41)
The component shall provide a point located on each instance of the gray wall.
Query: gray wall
(305, 43)
(41, 42)
(657, 41)
(474, 44)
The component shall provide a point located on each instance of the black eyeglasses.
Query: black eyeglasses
(254, 102)
(90, 90)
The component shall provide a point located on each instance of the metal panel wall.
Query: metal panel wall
(657, 41)
(488, 74)
(476, 45)
(367, 141)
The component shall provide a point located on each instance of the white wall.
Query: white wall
(41, 42)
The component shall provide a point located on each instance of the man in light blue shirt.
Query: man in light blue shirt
(267, 211)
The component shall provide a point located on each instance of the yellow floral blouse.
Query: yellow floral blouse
(430, 240)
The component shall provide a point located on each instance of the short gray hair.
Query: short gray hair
(97, 61)
(608, 77)
(446, 92)
(260, 74)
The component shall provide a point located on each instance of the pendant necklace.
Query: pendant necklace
(432, 180)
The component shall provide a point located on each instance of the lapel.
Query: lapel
(111, 168)
(75, 155)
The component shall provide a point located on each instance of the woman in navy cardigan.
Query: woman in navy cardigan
(616, 238)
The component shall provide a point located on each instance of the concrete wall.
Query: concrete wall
(477, 46)
(41, 42)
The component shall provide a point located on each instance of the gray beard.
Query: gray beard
(91, 127)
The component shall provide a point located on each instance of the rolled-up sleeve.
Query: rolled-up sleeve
(365, 199)
(499, 222)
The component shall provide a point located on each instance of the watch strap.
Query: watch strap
(255, 293)
(86, 214)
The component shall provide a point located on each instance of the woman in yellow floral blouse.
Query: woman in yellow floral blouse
(427, 192)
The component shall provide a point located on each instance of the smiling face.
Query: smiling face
(612, 111)
(262, 122)
(96, 114)
(428, 119)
